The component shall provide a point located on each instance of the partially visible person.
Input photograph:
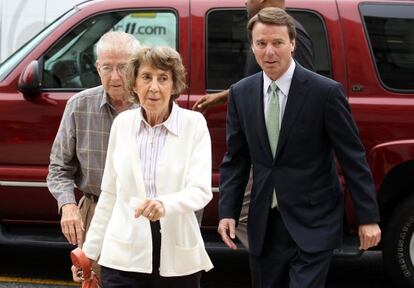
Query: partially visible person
(289, 123)
(79, 150)
(157, 174)
(303, 54)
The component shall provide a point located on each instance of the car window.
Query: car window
(70, 63)
(227, 45)
(316, 29)
(13, 60)
(226, 48)
(390, 30)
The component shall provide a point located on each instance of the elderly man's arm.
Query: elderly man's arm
(60, 180)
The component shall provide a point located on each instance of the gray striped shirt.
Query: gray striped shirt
(79, 150)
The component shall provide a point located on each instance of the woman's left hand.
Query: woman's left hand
(151, 209)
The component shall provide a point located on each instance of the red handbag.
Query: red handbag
(80, 261)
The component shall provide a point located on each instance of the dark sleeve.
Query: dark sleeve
(304, 48)
(251, 65)
(350, 152)
(235, 168)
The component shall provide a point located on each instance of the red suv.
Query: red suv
(368, 46)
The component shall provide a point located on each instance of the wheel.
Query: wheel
(398, 244)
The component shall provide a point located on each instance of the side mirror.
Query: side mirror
(30, 79)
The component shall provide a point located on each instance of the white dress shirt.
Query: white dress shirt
(283, 83)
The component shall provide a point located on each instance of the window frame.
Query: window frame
(89, 18)
(291, 11)
(381, 6)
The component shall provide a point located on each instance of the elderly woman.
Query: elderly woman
(157, 173)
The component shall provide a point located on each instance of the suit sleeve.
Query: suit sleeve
(234, 170)
(350, 153)
(304, 53)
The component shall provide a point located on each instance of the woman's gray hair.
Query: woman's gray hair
(117, 41)
(160, 57)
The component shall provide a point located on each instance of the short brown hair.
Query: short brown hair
(272, 16)
(164, 58)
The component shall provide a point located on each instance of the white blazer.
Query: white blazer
(183, 181)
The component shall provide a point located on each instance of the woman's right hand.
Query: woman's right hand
(151, 209)
(76, 274)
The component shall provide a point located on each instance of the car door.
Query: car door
(63, 55)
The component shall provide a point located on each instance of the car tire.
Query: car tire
(398, 245)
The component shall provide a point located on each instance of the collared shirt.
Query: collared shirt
(79, 151)
(150, 141)
(283, 82)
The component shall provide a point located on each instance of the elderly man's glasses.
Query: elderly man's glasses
(107, 69)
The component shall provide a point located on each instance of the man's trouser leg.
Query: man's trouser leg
(87, 207)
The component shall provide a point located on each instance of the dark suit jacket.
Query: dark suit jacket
(317, 125)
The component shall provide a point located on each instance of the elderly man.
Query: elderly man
(79, 150)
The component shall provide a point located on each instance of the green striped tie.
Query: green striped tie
(272, 124)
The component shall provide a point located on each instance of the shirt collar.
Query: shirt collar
(105, 101)
(283, 82)
(171, 123)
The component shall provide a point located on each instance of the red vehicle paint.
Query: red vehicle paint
(368, 46)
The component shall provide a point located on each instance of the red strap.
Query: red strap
(80, 260)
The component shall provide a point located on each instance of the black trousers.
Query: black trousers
(283, 264)
(112, 278)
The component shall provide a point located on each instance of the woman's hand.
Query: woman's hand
(76, 274)
(151, 209)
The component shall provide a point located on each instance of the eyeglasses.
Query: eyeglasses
(107, 70)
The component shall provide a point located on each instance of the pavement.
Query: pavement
(17, 282)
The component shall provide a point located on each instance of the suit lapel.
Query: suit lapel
(295, 101)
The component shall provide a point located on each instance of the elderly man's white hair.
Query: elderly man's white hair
(117, 41)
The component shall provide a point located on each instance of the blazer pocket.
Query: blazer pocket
(186, 259)
(119, 253)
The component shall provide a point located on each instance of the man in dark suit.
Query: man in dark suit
(288, 123)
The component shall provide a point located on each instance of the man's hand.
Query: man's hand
(153, 210)
(369, 235)
(72, 224)
(227, 230)
(210, 100)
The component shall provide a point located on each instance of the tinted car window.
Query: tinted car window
(317, 31)
(70, 64)
(390, 31)
(227, 45)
